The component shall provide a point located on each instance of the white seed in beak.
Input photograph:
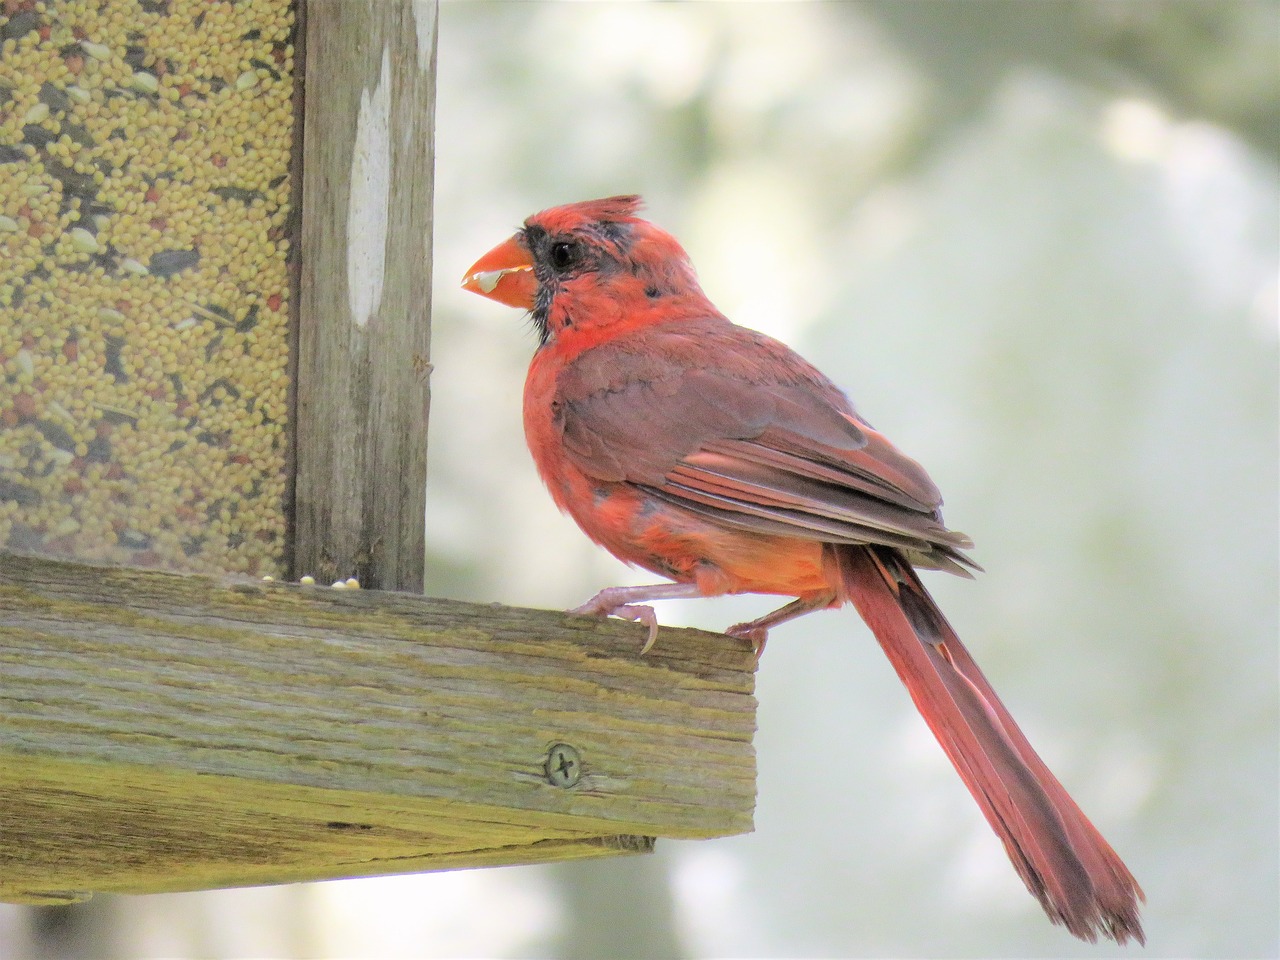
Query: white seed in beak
(487, 280)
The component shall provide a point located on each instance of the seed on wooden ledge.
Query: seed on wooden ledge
(307, 580)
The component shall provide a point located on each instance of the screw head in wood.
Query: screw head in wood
(563, 765)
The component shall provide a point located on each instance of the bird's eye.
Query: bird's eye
(564, 255)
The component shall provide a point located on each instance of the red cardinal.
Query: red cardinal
(720, 459)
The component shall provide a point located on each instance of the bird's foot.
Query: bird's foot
(753, 633)
(628, 603)
(757, 631)
(613, 603)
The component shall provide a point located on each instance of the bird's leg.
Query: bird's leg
(757, 631)
(628, 603)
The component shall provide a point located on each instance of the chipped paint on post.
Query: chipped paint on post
(367, 205)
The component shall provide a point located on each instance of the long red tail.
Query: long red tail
(1066, 864)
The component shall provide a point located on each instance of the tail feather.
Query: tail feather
(1062, 858)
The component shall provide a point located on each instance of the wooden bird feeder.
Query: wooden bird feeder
(198, 388)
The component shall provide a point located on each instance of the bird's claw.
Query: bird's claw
(753, 633)
(604, 606)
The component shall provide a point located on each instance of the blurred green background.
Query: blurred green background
(1037, 242)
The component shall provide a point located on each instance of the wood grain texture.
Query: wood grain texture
(163, 732)
(364, 314)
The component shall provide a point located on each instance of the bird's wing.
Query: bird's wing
(761, 442)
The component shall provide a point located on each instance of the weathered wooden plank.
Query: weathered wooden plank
(167, 732)
(364, 326)
(72, 829)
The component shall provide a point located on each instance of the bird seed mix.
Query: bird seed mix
(144, 193)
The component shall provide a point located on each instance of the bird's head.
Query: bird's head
(592, 266)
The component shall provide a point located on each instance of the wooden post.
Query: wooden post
(167, 732)
(363, 339)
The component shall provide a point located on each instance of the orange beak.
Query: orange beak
(504, 274)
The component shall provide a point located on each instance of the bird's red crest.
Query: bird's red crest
(605, 210)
